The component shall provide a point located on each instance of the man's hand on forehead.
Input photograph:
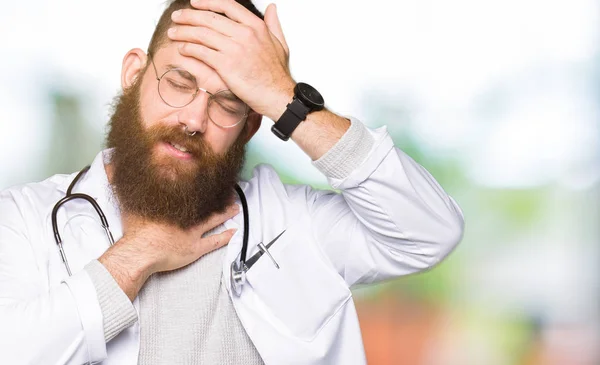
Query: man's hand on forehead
(250, 55)
(230, 8)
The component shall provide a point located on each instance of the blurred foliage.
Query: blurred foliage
(512, 336)
(520, 207)
(74, 144)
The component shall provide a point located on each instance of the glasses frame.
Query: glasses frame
(211, 97)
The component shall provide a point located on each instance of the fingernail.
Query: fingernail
(171, 31)
(176, 14)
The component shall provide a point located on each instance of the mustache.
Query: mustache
(195, 145)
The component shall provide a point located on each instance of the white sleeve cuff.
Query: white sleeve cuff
(83, 291)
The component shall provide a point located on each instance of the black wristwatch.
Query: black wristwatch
(306, 99)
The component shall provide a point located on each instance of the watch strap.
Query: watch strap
(294, 113)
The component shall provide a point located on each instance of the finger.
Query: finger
(208, 19)
(217, 219)
(274, 25)
(200, 35)
(231, 9)
(216, 241)
(203, 53)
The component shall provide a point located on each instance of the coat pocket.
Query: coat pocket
(305, 292)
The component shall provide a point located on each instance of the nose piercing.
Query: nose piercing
(191, 134)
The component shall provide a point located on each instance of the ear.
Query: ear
(133, 62)
(252, 125)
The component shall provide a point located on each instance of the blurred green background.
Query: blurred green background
(497, 99)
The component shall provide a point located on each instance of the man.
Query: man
(177, 287)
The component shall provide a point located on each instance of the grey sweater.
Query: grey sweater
(186, 315)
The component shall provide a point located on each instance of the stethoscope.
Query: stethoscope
(238, 267)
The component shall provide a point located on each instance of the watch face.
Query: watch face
(309, 94)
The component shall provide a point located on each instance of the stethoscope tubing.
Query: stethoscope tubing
(242, 196)
(69, 196)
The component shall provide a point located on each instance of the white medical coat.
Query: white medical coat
(391, 219)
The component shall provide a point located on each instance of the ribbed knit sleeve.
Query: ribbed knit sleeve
(348, 153)
(117, 310)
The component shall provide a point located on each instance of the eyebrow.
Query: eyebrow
(229, 95)
(186, 75)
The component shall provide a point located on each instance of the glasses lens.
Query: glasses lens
(226, 109)
(177, 88)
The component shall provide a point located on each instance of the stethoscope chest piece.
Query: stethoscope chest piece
(238, 277)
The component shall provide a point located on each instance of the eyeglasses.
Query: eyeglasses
(178, 88)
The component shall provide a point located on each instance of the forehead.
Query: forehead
(168, 56)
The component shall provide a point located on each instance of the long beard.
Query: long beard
(162, 188)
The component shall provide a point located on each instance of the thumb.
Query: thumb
(272, 21)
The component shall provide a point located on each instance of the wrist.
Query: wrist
(136, 258)
(129, 269)
(282, 98)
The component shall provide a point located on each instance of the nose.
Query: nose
(194, 116)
